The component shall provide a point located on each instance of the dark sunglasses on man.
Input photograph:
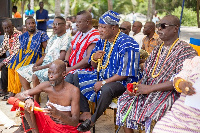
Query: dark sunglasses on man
(122, 28)
(163, 25)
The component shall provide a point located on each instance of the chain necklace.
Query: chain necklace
(154, 76)
(108, 57)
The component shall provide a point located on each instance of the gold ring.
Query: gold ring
(187, 89)
(136, 88)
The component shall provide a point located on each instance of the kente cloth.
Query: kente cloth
(80, 44)
(154, 105)
(110, 17)
(54, 47)
(10, 44)
(124, 61)
(30, 49)
(150, 43)
(47, 125)
(182, 118)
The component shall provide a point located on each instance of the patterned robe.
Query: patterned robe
(183, 118)
(54, 46)
(124, 61)
(154, 105)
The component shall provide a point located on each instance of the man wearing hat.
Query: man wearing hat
(119, 55)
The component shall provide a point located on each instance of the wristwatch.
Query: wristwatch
(103, 82)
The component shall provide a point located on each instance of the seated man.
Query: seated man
(10, 43)
(32, 44)
(81, 46)
(56, 49)
(183, 118)
(156, 94)
(137, 34)
(62, 114)
(125, 27)
(119, 65)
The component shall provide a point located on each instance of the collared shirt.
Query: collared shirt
(150, 43)
(10, 44)
(29, 12)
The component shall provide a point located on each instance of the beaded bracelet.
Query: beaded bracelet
(92, 58)
(177, 84)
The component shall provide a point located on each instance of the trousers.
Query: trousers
(108, 92)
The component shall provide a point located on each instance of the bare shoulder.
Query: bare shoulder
(72, 89)
(45, 85)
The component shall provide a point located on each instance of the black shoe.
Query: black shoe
(85, 126)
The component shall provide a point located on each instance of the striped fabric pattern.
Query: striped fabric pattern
(124, 61)
(110, 17)
(181, 119)
(80, 44)
(28, 56)
(155, 105)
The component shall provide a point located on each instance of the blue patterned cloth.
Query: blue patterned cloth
(52, 51)
(110, 17)
(124, 61)
(29, 56)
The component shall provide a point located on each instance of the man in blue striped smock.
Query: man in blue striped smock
(119, 56)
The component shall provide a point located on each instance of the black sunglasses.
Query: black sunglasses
(122, 28)
(163, 25)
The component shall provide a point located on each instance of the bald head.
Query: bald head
(84, 21)
(60, 65)
(149, 28)
(136, 28)
(125, 27)
(8, 27)
(172, 19)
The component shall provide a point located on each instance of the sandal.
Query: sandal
(5, 98)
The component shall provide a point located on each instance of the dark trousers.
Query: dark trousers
(108, 92)
(4, 75)
(4, 78)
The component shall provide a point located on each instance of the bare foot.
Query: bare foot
(85, 115)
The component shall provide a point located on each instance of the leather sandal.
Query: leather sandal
(85, 126)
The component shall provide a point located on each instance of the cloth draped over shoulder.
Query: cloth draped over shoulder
(124, 61)
(183, 118)
(80, 44)
(30, 49)
(154, 105)
(54, 47)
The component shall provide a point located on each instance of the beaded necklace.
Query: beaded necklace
(108, 57)
(154, 76)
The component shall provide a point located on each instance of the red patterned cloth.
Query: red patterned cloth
(80, 44)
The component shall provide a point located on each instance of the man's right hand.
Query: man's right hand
(28, 104)
(1, 65)
(98, 54)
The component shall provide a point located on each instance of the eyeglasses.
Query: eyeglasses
(57, 24)
(163, 25)
(122, 28)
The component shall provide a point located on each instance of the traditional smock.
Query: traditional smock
(124, 61)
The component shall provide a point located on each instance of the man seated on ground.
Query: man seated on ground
(156, 94)
(125, 27)
(56, 49)
(81, 46)
(62, 114)
(10, 43)
(119, 65)
(32, 44)
(137, 34)
(183, 117)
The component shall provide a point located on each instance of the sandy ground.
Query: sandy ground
(105, 124)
